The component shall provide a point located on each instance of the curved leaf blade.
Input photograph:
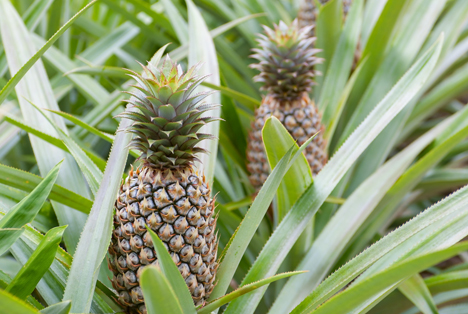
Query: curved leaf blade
(415, 289)
(8, 237)
(239, 241)
(170, 271)
(198, 33)
(299, 176)
(15, 305)
(24, 69)
(28, 277)
(159, 295)
(25, 211)
(208, 308)
(27, 182)
(89, 169)
(352, 297)
(58, 308)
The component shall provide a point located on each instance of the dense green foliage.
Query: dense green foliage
(381, 220)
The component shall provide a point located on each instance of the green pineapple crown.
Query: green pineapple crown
(286, 60)
(166, 128)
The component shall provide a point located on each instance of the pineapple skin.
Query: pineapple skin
(176, 205)
(302, 120)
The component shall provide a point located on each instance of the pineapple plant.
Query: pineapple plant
(286, 64)
(166, 193)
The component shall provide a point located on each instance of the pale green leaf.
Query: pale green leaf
(355, 295)
(159, 296)
(341, 63)
(205, 53)
(8, 236)
(208, 308)
(24, 69)
(27, 182)
(25, 211)
(277, 140)
(171, 272)
(89, 169)
(58, 308)
(415, 289)
(27, 278)
(177, 21)
(15, 305)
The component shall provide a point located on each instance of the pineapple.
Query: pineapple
(166, 193)
(286, 65)
(307, 14)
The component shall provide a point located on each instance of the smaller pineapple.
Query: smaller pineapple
(286, 65)
(166, 194)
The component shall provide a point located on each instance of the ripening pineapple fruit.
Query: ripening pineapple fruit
(166, 193)
(308, 11)
(286, 66)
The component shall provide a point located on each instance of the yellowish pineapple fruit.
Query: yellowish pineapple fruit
(166, 194)
(286, 64)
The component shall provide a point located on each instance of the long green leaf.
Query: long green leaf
(58, 308)
(416, 290)
(90, 129)
(208, 308)
(25, 211)
(52, 140)
(355, 295)
(24, 69)
(178, 23)
(407, 41)
(8, 236)
(328, 31)
(444, 219)
(449, 88)
(15, 305)
(277, 140)
(52, 286)
(389, 204)
(170, 271)
(27, 278)
(89, 87)
(84, 125)
(298, 217)
(438, 285)
(159, 296)
(206, 53)
(89, 169)
(252, 219)
(341, 63)
(27, 182)
(334, 118)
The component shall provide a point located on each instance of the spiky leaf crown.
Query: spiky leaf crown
(286, 60)
(169, 118)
